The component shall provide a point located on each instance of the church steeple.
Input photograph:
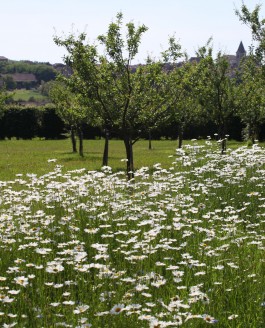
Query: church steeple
(241, 52)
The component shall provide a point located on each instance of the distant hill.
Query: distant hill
(26, 71)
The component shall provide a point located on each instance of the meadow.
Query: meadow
(182, 244)
(28, 95)
(31, 156)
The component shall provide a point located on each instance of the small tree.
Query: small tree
(70, 109)
(9, 82)
(251, 96)
(117, 91)
(4, 97)
(257, 26)
(182, 79)
(216, 90)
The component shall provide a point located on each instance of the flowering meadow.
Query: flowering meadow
(182, 246)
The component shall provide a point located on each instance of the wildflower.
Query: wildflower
(55, 304)
(201, 273)
(22, 281)
(146, 295)
(218, 267)
(233, 316)
(7, 299)
(54, 268)
(207, 318)
(9, 325)
(80, 309)
(68, 302)
(11, 315)
(13, 292)
(117, 309)
(31, 276)
(159, 283)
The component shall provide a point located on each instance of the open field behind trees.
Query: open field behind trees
(31, 156)
(28, 95)
(180, 245)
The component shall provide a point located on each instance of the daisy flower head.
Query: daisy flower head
(207, 318)
(22, 281)
(81, 309)
(117, 309)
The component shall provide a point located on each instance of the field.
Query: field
(31, 156)
(180, 245)
(28, 95)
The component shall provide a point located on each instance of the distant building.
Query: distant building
(233, 60)
(63, 69)
(23, 77)
(22, 80)
(3, 59)
(241, 52)
(194, 59)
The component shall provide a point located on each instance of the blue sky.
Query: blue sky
(27, 27)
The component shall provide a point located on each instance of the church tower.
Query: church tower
(241, 52)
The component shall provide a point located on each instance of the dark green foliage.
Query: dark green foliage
(19, 122)
(28, 122)
(51, 126)
(9, 82)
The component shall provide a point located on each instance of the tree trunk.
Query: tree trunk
(253, 133)
(73, 140)
(150, 140)
(223, 138)
(180, 136)
(129, 153)
(81, 146)
(223, 146)
(106, 150)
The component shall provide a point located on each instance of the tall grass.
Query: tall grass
(181, 245)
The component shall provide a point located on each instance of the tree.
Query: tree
(118, 93)
(250, 96)
(257, 26)
(9, 82)
(4, 97)
(182, 80)
(253, 76)
(216, 90)
(70, 109)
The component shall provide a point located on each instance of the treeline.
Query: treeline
(28, 122)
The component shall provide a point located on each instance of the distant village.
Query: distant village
(24, 78)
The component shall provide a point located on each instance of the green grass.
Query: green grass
(25, 95)
(31, 156)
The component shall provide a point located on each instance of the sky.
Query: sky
(27, 27)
